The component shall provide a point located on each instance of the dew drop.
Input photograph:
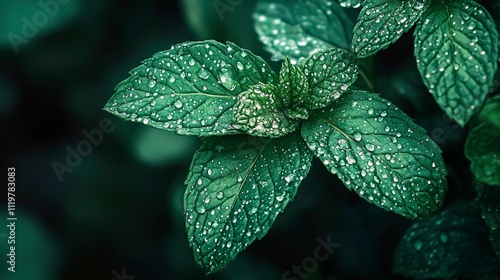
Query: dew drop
(178, 104)
(370, 147)
(199, 182)
(152, 84)
(219, 195)
(203, 74)
(357, 136)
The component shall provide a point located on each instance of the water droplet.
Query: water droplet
(203, 74)
(239, 65)
(199, 182)
(226, 79)
(152, 84)
(370, 147)
(357, 136)
(220, 195)
(370, 111)
(209, 172)
(240, 179)
(418, 245)
(207, 199)
(201, 209)
(178, 104)
(280, 197)
(191, 62)
(172, 79)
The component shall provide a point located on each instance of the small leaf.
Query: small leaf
(350, 3)
(483, 150)
(329, 73)
(456, 46)
(236, 188)
(377, 151)
(293, 90)
(259, 113)
(190, 89)
(298, 28)
(488, 198)
(382, 22)
(450, 244)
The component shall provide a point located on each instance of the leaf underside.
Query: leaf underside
(456, 47)
(235, 189)
(450, 244)
(378, 152)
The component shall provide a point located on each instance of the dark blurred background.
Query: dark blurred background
(118, 209)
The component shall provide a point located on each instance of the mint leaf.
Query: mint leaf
(483, 150)
(259, 113)
(350, 3)
(378, 152)
(452, 243)
(293, 90)
(236, 188)
(456, 46)
(298, 28)
(491, 112)
(381, 23)
(191, 88)
(329, 73)
(489, 199)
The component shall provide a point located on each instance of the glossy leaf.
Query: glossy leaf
(381, 23)
(236, 188)
(298, 28)
(451, 244)
(456, 46)
(491, 111)
(378, 152)
(329, 73)
(259, 113)
(190, 89)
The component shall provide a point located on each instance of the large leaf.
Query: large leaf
(298, 28)
(381, 23)
(236, 188)
(329, 74)
(456, 46)
(488, 198)
(190, 89)
(377, 151)
(450, 244)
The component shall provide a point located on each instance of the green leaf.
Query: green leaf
(259, 113)
(378, 152)
(298, 28)
(350, 3)
(330, 73)
(293, 90)
(483, 150)
(488, 198)
(236, 188)
(491, 112)
(190, 89)
(456, 46)
(382, 22)
(450, 244)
